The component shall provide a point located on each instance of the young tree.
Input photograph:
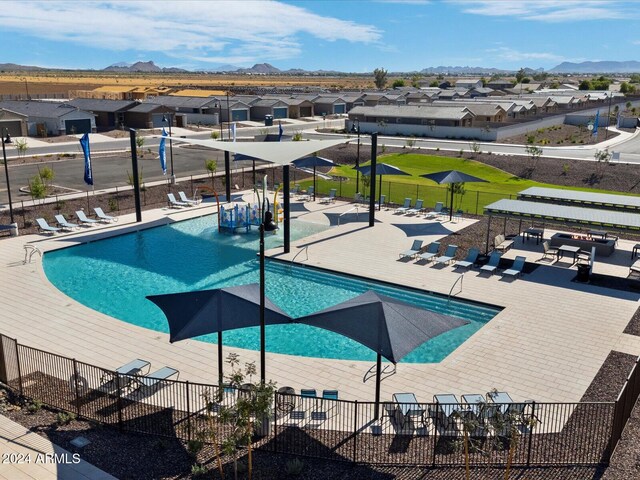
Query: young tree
(398, 83)
(380, 78)
(21, 146)
(211, 166)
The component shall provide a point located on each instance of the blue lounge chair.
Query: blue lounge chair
(331, 198)
(330, 394)
(103, 217)
(183, 198)
(63, 224)
(468, 262)
(435, 212)
(308, 392)
(382, 202)
(432, 251)
(84, 219)
(448, 255)
(404, 208)
(45, 227)
(516, 268)
(413, 251)
(175, 203)
(493, 262)
(416, 208)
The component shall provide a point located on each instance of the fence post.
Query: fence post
(19, 369)
(435, 440)
(477, 200)
(533, 415)
(275, 420)
(119, 401)
(75, 379)
(117, 200)
(189, 412)
(355, 432)
(24, 221)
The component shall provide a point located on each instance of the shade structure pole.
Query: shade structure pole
(220, 375)
(253, 169)
(372, 183)
(6, 171)
(136, 179)
(314, 183)
(358, 161)
(378, 380)
(451, 204)
(263, 374)
(227, 175)
(380, 193)
(486, 249)
(286, 209)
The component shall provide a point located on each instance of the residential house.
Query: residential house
(269, 106)
(12, 123)
(299, 107)
(427, 115)
(193, 110)
(109, 114)
(499, 84)
(469, 83)
(329, 105)
(51, 119)
(149, 115)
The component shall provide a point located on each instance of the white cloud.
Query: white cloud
(204, 31)
(511, 55)
(551, 10)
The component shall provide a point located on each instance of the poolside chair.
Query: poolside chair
(444, 213)
(413, 251)
(516, 268)
(457, 215)
(123, 376)
(493, 262)
(432, 251)
(308, 392)
(152, 382)
(295, 190)
(448, 256)
(330, 394)
(183, 198)
(64, 225)
(548, 250)
(175, 203)
(331, 198)
(84, 219)
(470, 260)
(103, 217)
(416, 208)
(382, 202)
(446, 410)
(404, 208)
(45, 227)
(435, 212)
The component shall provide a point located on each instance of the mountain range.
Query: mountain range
(597, 67)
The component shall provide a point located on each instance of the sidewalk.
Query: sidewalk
(27, 455)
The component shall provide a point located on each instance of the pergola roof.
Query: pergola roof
(282, 153)
(565, 214)
(599, 200)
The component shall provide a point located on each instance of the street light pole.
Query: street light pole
(220, 119)
(166, 120)
(357, 154)
(268, 225)
(228, 118)
(7, 139)
(606, 130)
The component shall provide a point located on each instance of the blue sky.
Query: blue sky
(344, 35)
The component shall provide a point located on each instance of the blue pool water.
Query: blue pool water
(114, 275)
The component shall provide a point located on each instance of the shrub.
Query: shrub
(197, 470)
(214, 135)
(113, 204)
(194, 446)
(35, 406)
(64, 418)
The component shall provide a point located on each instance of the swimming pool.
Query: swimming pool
(115, 275)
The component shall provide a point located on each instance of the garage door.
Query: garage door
(77, 126)
(156, 118)
(13, 128)
(239, 115)
(305, 112)
(339, 108)
(280, 112)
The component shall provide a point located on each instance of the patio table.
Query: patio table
(562, 249)
(536, 233)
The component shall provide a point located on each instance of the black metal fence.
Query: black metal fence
(399, 434)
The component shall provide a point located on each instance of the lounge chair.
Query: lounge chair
(416, 208)
(446, 408)
(548, 250)
(407, 407)
(413, 251)
(103, 217)
(404, 208)
(382, 203)
(331, 198)
(175, 203)
(309, 195)
(448, 256)
(432, 251)
(470, 260)
(64, 225)
(123, 376)
(45, 227)
(457, 215)
(84, 219)
(435, 212)
(183, 198)
(493, 262)
(154, 380)
(330, 394)
(295, 190)
(516, 268)
(308, 392)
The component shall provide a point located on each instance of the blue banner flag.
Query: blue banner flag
(280, 131)
(163, 153)
(595, 124)
(88, 171)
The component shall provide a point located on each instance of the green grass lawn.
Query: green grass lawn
(396, 188)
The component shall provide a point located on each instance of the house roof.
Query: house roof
(102, 105)
(290, 100)
(147, 107)
(40, 109)
(268, 102)
(184, 102)
(414, 111)
(328, 99)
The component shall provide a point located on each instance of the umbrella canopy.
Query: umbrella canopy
(381, 169)
(387, 326)
(451, 176)
(313, 162)
(191, 314)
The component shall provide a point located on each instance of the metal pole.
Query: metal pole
(358, 159)
(606, 130)
(378, 380)
(227, 175)
(263, 374)
(6, 172)
(286, 208)
(136, 179)
(220, 120)
(228, 118)
(372, 194)
(169, 120)
(220, 373)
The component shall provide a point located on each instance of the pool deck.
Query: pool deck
(547, 344)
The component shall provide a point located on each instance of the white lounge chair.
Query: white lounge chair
(435, 212)
(154, 380)
(183, 198)
(64, 225)
(468, 262)
(404, 208)
(413, 251)
(448, 255)
(432, 251)
(103, 217)
(45, 227)
(175, 203)
(84, 219)
(493, 262)
(516, 268)
(331, 198)
(416, 208)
